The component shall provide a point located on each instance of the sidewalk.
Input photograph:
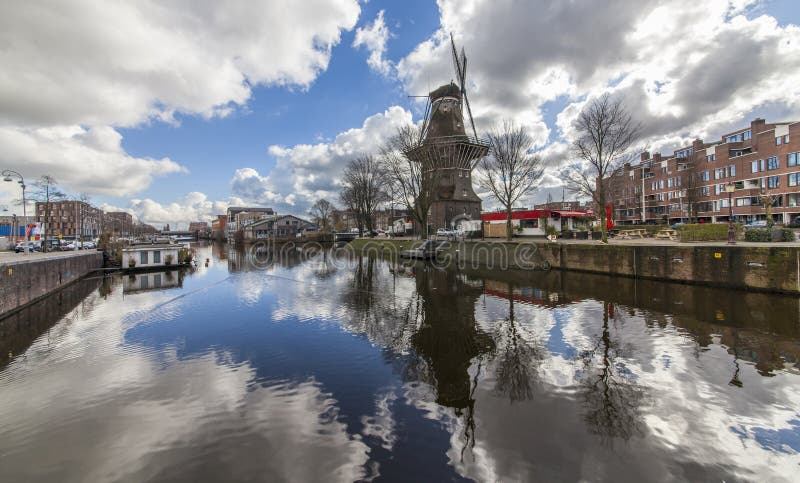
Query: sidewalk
(7, 257)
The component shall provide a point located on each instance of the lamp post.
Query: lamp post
(7, 176)
(731, 231)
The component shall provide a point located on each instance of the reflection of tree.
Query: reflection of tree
(517, 359)
(611, 397)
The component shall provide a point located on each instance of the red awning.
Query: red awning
(572, 213)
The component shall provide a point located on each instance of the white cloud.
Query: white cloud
(71, 73)
(121, 63)
(83, 159)
(194, 206)
(374, 37)
(305, 172)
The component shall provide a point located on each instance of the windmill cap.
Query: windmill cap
(447, 90)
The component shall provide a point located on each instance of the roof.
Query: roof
(151, 246)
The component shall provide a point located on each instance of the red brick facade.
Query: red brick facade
(761, 161)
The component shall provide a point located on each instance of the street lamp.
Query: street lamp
(729, 188)
(7, 176)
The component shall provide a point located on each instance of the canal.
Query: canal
(319, 367)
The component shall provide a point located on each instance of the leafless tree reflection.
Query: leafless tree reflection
(612, 398)
(517, 359)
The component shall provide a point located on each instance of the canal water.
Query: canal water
(316, 367)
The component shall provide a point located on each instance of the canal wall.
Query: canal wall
(764, 268)
(25, 281)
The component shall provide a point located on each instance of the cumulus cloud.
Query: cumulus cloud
(121, 63)
(684, 68)
(305, 172)
(194, 206)
(85, 159)
(374, 37)
(72, 73)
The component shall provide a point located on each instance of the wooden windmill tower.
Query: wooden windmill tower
(447, 154)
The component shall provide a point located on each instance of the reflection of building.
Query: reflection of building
(70, 218)
(449, 339)
(146, 281)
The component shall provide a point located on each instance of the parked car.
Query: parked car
(757, 224)
(89, 245)
(28, 246)
(445, 232)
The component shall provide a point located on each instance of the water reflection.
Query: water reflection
(295, 366)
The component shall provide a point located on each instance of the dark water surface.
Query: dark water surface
(310, 370)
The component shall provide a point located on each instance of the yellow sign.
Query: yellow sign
(717, 255)
(59, 236)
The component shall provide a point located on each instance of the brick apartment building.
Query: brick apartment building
(761, 161)
(70, 218)
(218, 227)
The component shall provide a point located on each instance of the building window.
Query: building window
(747, 135)
(778, 140)
(705, 176)
(732, 170)
(156, 256)
(792, 159)
(143, 257)
(793, 179)
(773, 163)
(786, 139)
(711, 157)
(734, 138)
(773, 182)
(529, 223)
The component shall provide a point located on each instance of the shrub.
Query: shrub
(758, 235)
(550, 230)
(707, 231)
(783, 234)
(168, 259)
(185, 255)
(131, 263)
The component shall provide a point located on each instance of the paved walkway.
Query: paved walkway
(11, 257)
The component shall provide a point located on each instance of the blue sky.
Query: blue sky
(173, 114)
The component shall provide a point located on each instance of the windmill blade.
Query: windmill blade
(463, 65)
(456, 62)
(469, 112)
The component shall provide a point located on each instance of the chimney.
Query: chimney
(757, 122)
(657, 158)
(645, 156)
(698, 145)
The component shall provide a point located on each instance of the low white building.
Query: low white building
(147, 256)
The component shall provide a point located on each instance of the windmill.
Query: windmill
(460, 66)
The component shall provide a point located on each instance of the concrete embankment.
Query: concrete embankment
(748, 267)
(27, 278)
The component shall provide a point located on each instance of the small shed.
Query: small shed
(152, 255)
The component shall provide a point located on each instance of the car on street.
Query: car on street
(28, 246)
(445, 232)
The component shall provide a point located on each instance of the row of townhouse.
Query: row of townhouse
(760, 163)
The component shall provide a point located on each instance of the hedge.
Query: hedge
(707, 231)
(758, 235)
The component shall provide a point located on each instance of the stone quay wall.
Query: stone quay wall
(763, 268)
(25, 281)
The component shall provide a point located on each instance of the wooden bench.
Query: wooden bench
(667, 234)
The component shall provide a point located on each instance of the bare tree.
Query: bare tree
(606, 132)
(321, 213)
(510, 171)
(47, 191)
(364, 189)
(410, 182)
